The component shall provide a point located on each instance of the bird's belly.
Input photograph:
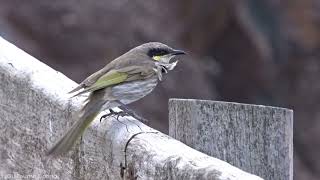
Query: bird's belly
(135, 90)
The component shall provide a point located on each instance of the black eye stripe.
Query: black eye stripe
(157, 52)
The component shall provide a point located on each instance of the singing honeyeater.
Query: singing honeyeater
(126, 79)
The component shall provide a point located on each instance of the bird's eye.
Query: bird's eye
(157, 53)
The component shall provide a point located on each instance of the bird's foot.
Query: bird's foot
(130, 112)
(112, 113)
(125, 112)
(115, 114)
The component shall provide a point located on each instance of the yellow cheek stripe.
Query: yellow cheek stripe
(156, 58)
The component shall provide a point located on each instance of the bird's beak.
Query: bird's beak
(178, 52)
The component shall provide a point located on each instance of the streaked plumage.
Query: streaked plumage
(128, 78)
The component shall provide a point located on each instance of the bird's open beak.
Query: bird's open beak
(178, 52)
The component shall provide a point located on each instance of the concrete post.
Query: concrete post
(257, 139)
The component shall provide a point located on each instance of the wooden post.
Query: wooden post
(257, 139)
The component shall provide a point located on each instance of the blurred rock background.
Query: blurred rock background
(261, 52)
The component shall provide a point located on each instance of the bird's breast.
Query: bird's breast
(135, 90)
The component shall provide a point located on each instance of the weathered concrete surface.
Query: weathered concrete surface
(35, 110)
(255, 138)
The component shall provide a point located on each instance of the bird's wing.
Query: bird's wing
(91, 79)
(118, 76)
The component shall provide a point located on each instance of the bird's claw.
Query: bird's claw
(116, 114)
(106, 115)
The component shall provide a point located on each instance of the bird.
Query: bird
(124, 80)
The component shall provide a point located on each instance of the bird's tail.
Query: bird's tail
(86, 116)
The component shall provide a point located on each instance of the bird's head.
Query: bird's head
(161, 54)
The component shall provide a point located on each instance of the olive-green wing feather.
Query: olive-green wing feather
(91, 79)
(111, 78)
(114, 77)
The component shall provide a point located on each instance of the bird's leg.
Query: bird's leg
(112, 112)
(130, 112)
(126, 111)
